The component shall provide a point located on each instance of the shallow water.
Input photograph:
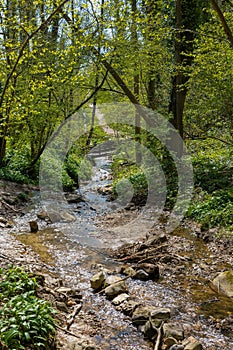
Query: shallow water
(75, 250)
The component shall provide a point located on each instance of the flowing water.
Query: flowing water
(75, 250)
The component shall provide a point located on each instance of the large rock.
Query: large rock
(169, 342)
(129, 271)
(173, 330)
(115, 289)
(98, 280)
(74, 198)
(67, 217)
(141, 275)
(141, 315)
(224, 283)
(120, 299)
(55, 216)
(151, 269)
(160, 313)
(111, 280)
(192, 344)
(155, 314)
(127, 307)
(43, 215)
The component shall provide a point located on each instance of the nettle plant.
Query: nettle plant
(26, 321)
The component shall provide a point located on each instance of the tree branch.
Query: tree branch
(223, 20)
(210, 137)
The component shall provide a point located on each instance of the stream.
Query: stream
(76, 250)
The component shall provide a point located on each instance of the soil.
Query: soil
(188, 260)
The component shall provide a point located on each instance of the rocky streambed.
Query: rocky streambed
(167, 298)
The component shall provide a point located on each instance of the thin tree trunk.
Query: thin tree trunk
(223, 21)
(136, 88)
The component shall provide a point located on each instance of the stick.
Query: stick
(140, 254)
(159, 336)
(72, 316)
(10, 207)
(68, 332)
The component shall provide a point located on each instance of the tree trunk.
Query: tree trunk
(136, 87)
(223, 21)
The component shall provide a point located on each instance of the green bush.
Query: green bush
(15, 281)
(214, 209)
(25, 320)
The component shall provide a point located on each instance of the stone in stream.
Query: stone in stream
(155, 314)
(67, 217)
(161, 313)
(98, 280)
(62, 306)
(128, 271)
(192, 344)
(141, 275)
(224, 283)
(74, 198)
(55, 216)
(127, 307)
(146, 271)
(177, 347)
(151, 269)
(115, 289)
(33, 226)
(141, 315)
(169, 342)
(173, 330)
(120, 299)
(111, 279)
(43, 215)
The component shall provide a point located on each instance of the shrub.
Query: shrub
(25, 320)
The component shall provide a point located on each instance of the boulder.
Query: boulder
(43, 215)
(120, 299)
(169, 342)
(151, 269)
(127, 307)
(111, 279)
(129, 271)
(192, 344)
(97, 281)
(141, 315)
(115, 289)
(160, 313)
(54, 216)
(74, 198)
(67, 217)
(154, 314)
(224, 283)
(141, 275)
(173, 330)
